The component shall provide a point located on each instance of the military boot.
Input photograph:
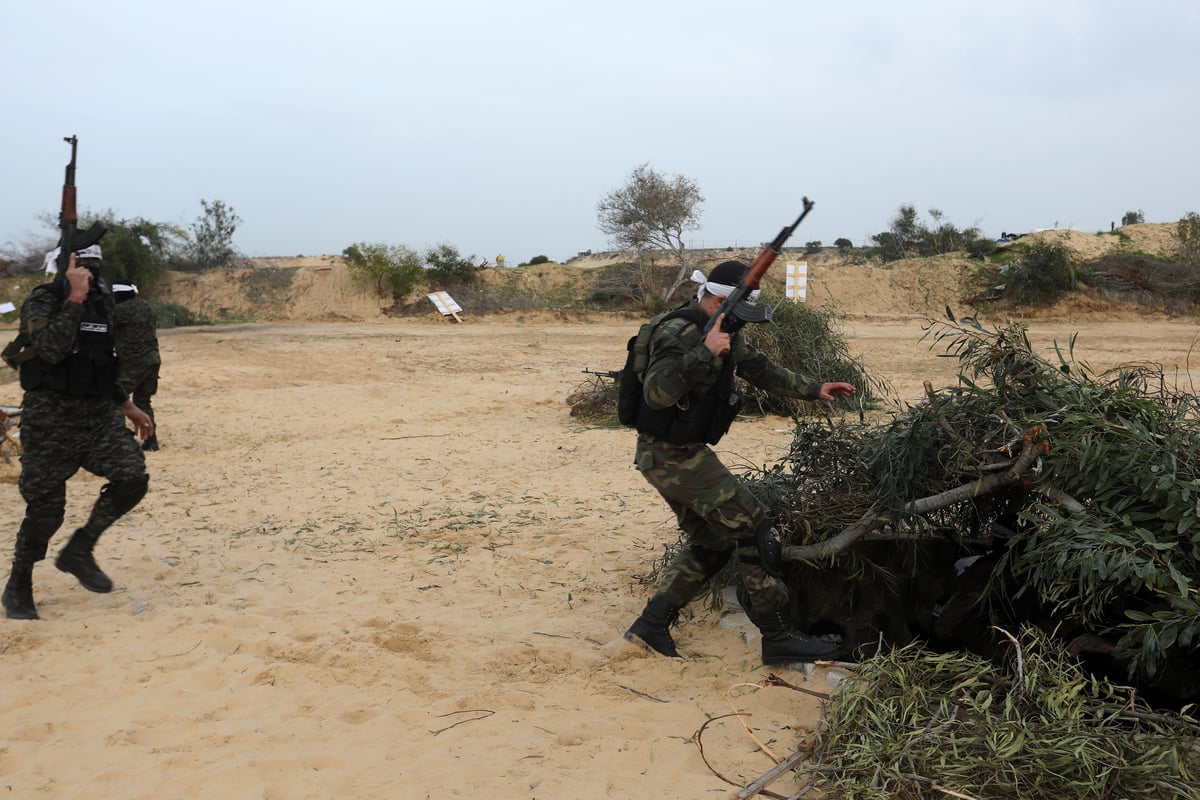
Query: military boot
(653, 627)
(783, 644)
(76, 558)
(18, 592)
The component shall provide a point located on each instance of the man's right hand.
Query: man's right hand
(79, 279)
(717, 340)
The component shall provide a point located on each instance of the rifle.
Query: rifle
(71, 239)
(750, 282)
(610, 373)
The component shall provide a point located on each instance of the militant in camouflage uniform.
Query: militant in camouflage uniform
(136, 337)
(71, 418)
(687, 404)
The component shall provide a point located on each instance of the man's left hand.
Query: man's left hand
(831, 391)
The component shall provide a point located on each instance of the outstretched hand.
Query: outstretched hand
(830, 391)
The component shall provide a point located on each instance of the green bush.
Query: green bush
(1133, 218)
(173, 315)
(394, 270)
(1188, 230)
(447, 267)
(1044, 271)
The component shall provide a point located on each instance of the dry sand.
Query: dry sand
(379, 559)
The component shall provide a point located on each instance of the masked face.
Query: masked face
(92, 265)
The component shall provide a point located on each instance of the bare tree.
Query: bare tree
(652, 211)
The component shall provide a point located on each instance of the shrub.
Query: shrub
(1188, 230)
(393, 270)
(1133, 218)
(447, 267)
(843, 244)
(1044, 271)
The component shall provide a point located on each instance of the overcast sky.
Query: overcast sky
(497, 126)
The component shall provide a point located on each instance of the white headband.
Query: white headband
(719, 289)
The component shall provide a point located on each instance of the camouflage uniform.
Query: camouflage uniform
(719, 517)
(715, 511)
(134, 329)
(65, 427)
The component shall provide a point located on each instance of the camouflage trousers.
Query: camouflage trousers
(59, 436)
(718, 516)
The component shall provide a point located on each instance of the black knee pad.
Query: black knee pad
(124, 495)
(763, 549)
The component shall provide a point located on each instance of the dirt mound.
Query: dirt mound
(319, 289)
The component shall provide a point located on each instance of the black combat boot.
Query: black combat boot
(653, 627)
(18, 592)
(76, 558)
(783, 644)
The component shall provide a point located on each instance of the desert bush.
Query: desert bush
(1043, 272)
(173, 315)
(393, 270)
(909, 237)
(210, 244)
(1133, 217)
(843, 244)
(447, 267)
(533, 262)
(1188, 230)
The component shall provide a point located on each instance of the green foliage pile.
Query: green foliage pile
(1110, 518)
(809, 341)
(909, 725)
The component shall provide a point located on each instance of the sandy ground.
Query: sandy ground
(380, 560)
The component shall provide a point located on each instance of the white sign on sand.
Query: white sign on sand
(445, 304)
(796, 286)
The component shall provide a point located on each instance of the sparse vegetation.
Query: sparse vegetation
(653, 212)
(1188, 230)
(908, 237)
(1133, 218)
(211, 241)
(394, 270)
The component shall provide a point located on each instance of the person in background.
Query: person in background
(71, 418)
(136, 336)
(686, 405)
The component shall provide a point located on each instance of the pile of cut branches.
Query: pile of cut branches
(1083, 490)
(913, 724)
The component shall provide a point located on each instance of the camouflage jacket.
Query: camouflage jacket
(680, 363)
(136, 338)
(52, 325)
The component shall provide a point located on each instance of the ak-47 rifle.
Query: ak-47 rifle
(610, 373)
(729, 308)
(71, 239)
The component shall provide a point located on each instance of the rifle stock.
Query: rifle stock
(71, 239)
(753, 278)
